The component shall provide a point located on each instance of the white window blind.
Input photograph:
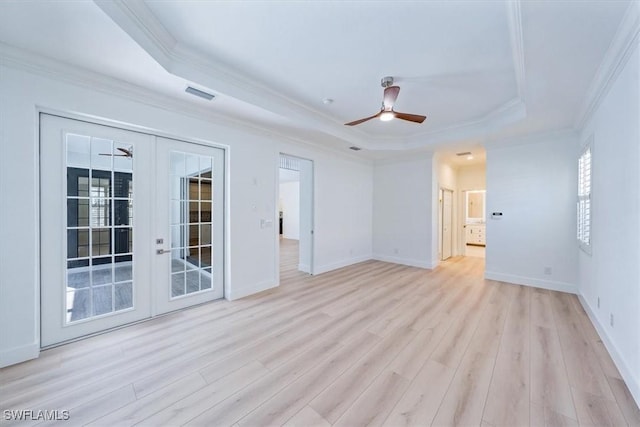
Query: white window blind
(584, 198)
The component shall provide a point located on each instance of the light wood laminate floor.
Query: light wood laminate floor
(370, 344)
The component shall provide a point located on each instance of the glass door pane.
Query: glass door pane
(190, 215)
(99, 227)
(191, 223)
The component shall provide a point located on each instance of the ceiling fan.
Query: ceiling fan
(386, 112)
(125, 152)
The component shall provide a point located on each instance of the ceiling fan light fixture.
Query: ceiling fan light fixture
(386, 116)
(386, 112)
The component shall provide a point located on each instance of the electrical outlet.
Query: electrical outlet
(547, 270)
(598, 302)
(611, 319)
(395, 251)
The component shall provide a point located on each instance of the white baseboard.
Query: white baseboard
(532, 281)
(405, 261)
(19, 354)
(305, 268)
(336, 265)
(632, 383)
(235, 293)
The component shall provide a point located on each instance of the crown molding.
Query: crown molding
(509, 113)
(137, 20)
(150, 34)
(560, 135)
(413, 157)
(514, 17)
(50, 68)
(616, 57)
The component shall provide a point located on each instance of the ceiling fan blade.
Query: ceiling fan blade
(357, 122)
(126, 153)
(390, 96)
(410, 117)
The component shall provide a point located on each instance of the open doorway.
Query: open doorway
(461, 210)
(475, 230)
(295, 211)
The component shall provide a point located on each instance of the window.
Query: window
(584, 199)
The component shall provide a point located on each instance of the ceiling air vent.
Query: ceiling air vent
(201, 94)
(466, 153)
(354, 148)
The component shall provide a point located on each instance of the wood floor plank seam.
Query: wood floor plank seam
(373, 343)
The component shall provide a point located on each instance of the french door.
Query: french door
(189, 224)
(131, 226)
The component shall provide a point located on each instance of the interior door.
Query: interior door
(447, 223)
(305, 256)
(132, 226)
(189, 224)
(94, 209)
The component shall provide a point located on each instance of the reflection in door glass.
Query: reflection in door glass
(191, 220)
(99, 277)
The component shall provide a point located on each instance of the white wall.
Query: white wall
(403, 213)
(472, 177)
(251, 264)
(534, 186)
(290, 199)
(612, 271)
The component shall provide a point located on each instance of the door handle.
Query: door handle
(162, 251)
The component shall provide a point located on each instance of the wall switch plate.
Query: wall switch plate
(547, 270)
(266, 223)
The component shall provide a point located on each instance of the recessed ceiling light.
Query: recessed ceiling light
(199, 93)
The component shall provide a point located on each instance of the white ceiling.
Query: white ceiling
(477, 69)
